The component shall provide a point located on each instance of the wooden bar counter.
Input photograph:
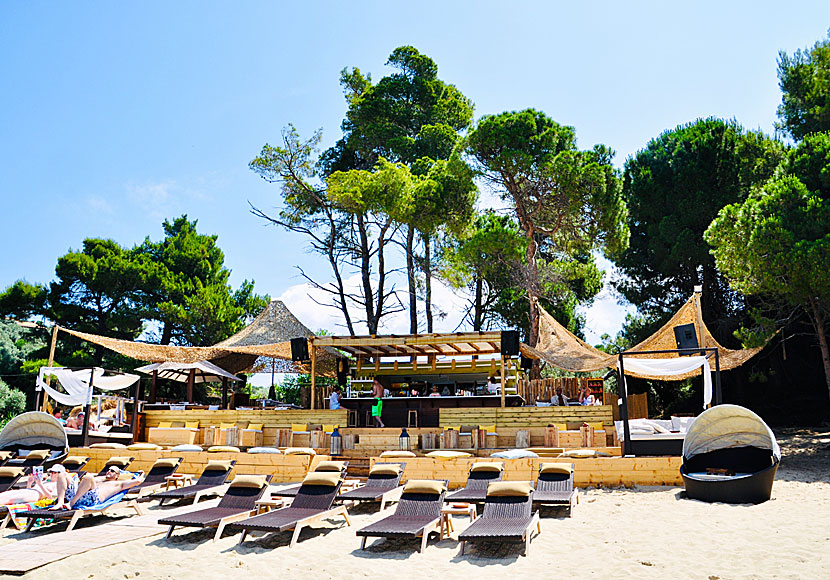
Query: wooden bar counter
(396, 409)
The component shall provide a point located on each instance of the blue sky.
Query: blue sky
(115, 116)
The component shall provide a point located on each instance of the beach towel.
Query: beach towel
(20, 522)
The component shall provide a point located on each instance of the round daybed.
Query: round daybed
(729, 455)
(35, 430)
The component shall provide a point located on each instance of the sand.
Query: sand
(643, 533)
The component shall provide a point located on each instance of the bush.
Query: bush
(12, 402)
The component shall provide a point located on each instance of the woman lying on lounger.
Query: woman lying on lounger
(35, 490)
(92, 489)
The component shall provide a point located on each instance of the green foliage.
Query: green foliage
(291, 389)
(674, 187)
(16, 344)
(804, 79)
(12, 402)
(23, 300)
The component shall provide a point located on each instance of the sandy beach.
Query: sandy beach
(645, 532)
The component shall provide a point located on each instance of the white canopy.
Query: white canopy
(76, 383)
(727, 426)
(672, 366)
(203, 371)
(32, 429)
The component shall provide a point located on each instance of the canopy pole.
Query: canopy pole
(224, 393)
(191, 377)
(503, 380)
(134, 422)
(85, 432)
(313, 370)
(624, 409)
(49, 363)
(153, 387)
(718, 394)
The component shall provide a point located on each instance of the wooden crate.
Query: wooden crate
(172, 436)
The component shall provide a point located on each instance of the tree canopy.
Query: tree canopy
(804, 79)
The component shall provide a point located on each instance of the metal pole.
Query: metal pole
(136, 396)
(85, 432)
(624, 410)
(718, 393)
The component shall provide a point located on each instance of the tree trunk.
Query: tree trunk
(428, 282)
(410, 275)
(166, 333)
(533, 299)
(365, 274)
(818, 321)
(477, 306)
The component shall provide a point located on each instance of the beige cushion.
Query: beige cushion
(226, 425)
(581, 453)
(257, 481)
(330, 428)
(566, 468)
(254, 426)
(218, 464)
(424, 486)
(108, 446)
(143, 447)
(398, 454)
(444, 455)
(165, 424)
(11, 471)
(295, 427)
(509, 489)
(5, 455)
(488, 466)
(330, 466)
(223, 448)
(299, 451)
(118, 461)
(167, 462)
(191, 424)
(487, 428)
(74, 460)
(385, 469)
(330, 478)
(38, 454)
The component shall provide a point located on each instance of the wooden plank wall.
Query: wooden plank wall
(518, 417)
(597, 472)
(637, 406)
(283, 468)
(271, 419)
(543, 389)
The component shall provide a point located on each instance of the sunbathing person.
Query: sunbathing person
(92, 489)
(35, 490)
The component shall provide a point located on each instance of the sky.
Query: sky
(117, 116)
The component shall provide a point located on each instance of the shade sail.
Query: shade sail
(76, 383)
(668, 367)
(725, 427)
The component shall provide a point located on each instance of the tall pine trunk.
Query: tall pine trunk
(410, 275)
(428, 282)
(818, 321)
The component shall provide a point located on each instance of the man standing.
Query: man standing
(559, 400)
(377, 408)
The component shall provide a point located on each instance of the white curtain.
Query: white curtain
(671, 366)
(76, 384)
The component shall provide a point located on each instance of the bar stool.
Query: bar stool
(369, 421)
(412, 418)
(352, 420)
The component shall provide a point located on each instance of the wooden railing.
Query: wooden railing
(524, 416)
(544, 389)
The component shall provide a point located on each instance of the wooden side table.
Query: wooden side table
(449, 510)
(178, 480)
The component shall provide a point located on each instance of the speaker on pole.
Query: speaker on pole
(526, 363)
(686, 339)
(509, 342)
(299, 349)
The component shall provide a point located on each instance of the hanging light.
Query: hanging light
(404, 440)
(336, 442)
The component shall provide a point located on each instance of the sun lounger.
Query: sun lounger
(555, 485)
(10, 476)
(5, 456)
(122, 463)
(156, 478)
(312, 504)
(239, 502)
(75, 463)
(323, 466)
(383, 485)
(417, 514)
(507, 518)
(74, 515)
(481, 475)
(211, 482)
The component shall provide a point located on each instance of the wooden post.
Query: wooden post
(49, 363)
(136, 398)
(153, 387)
(191, 377)
(224, 393)
(313, 370)
(503, 380)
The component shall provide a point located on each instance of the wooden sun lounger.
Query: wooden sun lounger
(504, 520)
(239, 502)
(75, 515)
(292, 491)
(312, 504)
(155, 479)
(416, 516)
(555, 489)
(475, 490)
(381, 487)
(210, 482)
(9, 476)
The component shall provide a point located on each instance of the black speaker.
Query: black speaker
(686, 339)
(342, 371)
(526, 363)
(509, 342)
(299, 349)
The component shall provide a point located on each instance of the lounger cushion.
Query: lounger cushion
(424, 486)
(223, 449)
(167, 462)
(186, 447)
(264, 450)
(487, 428)
(218, 464)
(398, 454)
(143, 447)
(330, 466)
(11, 471)
(38, 454)
(597, 426)
(299, 451)
(299, 427)
(257, 481)
(509, 489)
(108, 446)
(6, 454)
(191, 424)
(514, 454)
(560, 426)
(487, 466)
(330, 478)
(448, 454)
(254, 427)
(566, 468)
(330, 428)
(385, 469)
(584, 453)
(165, 424)
(74, 459)
(118, 461)
(226, 425)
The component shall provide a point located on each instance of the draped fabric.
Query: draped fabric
(669, 367)
(76, 384)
